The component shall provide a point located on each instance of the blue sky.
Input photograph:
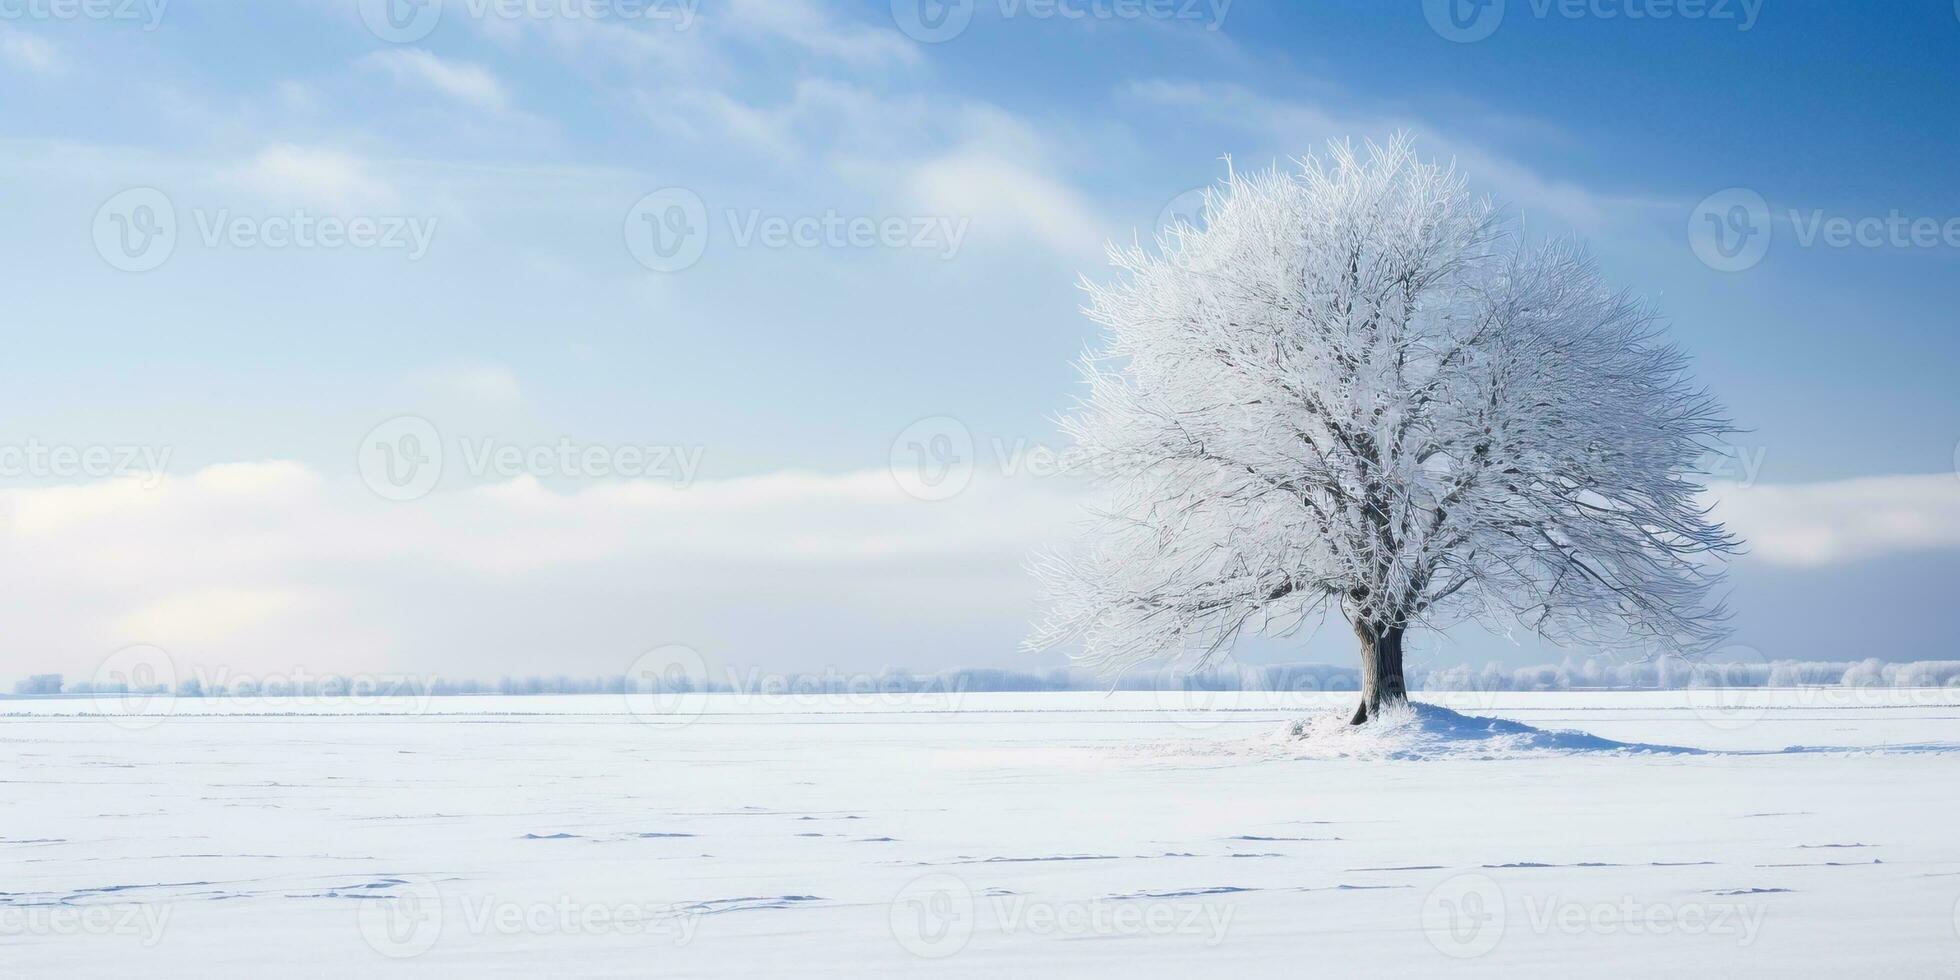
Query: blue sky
(526, 138)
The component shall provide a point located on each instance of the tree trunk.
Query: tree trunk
(1381, 669)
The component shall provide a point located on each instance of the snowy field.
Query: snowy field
(1129, 835)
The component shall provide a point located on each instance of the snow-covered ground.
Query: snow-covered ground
(1067, 834)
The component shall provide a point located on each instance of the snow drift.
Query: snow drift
(1426, 731)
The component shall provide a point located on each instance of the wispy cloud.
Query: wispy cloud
(1817, 524)
(1004, 197)
(1296, 127)
(313, 175)
(202, 617)
(264, 566)
(462, 81)
(29, 52)
(268, 565)
(820, 31)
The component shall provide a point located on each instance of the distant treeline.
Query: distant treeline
(1666, 673)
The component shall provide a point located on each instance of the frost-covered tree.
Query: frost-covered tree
(1356, 389)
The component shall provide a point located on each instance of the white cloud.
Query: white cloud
(265, 567)
(957, 159)
(821, 117)
(1814, 524)
(28, 52)
(255, 479)
(205, 617)
(1299, 128)
(1001, 195)
(690, 111)
(719, 39)
(312, 175)
(458, 80)
(820, 31)
(44, 514)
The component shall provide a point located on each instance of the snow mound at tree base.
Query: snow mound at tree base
(1426, 731)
